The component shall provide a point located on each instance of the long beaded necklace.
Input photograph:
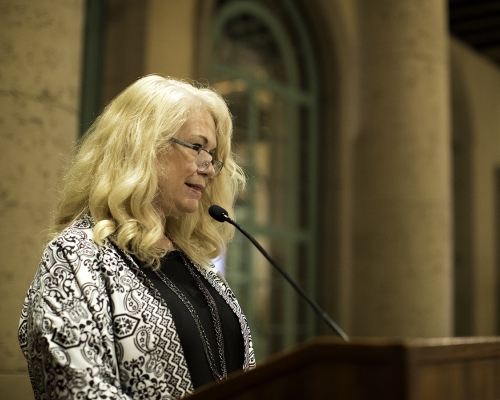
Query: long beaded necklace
(213, 312)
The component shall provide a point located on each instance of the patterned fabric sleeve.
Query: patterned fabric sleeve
(66, 329)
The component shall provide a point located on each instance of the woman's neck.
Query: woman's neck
(165, 243)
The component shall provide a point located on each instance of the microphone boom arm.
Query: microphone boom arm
(311, 302)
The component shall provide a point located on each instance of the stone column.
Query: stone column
(402, 245)
(40, 61)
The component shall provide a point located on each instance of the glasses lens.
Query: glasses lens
(204, 159)
(217, 166)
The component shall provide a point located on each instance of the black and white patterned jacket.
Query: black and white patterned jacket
(92, 328)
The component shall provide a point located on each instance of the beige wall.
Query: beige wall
(151, 36)
(401, 218)
(170, 35)
(412, 76)
(479, 94)
(477, 80)
(334, 27)
(40, 63)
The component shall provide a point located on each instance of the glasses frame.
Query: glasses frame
(218, 165)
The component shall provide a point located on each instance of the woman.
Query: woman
(125, 302)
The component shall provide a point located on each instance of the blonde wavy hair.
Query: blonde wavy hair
(114, 175)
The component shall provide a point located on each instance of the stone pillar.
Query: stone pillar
(40, 62)
(402, 245)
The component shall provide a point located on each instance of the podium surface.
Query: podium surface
(418, 369)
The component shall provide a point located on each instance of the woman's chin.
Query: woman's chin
(188, 208)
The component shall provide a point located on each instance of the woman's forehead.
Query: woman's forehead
(200, 126)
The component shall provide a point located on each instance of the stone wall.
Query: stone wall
(40, 62)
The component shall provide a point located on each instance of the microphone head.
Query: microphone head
(218, 213)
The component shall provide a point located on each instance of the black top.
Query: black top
(173, 267)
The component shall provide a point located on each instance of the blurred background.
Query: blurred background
(369, 132)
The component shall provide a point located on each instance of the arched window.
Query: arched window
(262, 62)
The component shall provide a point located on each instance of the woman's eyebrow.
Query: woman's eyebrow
(203, 138)
(205, 141)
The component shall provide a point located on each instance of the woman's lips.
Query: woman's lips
(196, 188)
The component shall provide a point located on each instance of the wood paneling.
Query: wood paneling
(437, 369)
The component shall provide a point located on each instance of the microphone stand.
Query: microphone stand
(311, 302)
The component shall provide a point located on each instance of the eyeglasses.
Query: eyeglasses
(203, 159)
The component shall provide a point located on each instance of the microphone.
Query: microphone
(221, 215)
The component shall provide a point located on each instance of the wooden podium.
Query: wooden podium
(421, 369)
